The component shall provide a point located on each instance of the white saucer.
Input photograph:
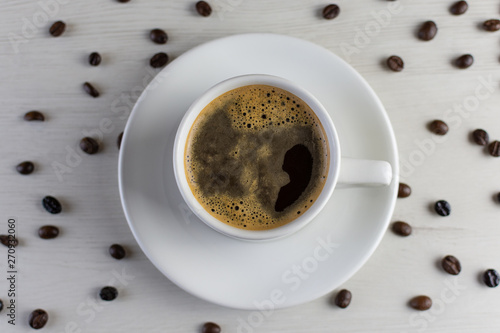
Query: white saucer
(240, 274)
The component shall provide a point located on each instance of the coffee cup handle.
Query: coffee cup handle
(357, 172)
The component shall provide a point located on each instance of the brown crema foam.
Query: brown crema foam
(256, 157)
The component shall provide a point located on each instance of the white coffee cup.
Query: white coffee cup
(342, 171)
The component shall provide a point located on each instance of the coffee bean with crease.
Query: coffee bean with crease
(427, 31)
(94, 59)
(491, 25)
(51, 205)
(395, 63)
(442, 207)
(438, 127)
(210, 328)
(158, 36)
(25, 168)
(57, 29)
(451, 265)
(117, 251)
(343, 298)
(331, 11)
(203, 8)
(38, 319)
(491, 278)
(48, 232)
(401, 228)
(421, 303)
(494, 148)
(480, 137)
(89, 145)
(6, 240)
(34, 116)
(404, 190)
(464, 61)
(108, 293)
(459, 8)
(91, 90)
(159, 60)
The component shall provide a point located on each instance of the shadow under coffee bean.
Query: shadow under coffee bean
(257, 157)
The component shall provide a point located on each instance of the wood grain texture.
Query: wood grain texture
(63, 275)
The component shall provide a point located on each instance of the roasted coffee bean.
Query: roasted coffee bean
(123, 1)
(494, 148)
(158, 36)
(343, 298)
(442, 207)
(438, 127)
(464, 61)
(404, 190)
(401, 228)
(491, 25)
(34, 116)
(451, 265)
(427, 31)
(48, 232)
(331, 11)
(210, 328)
(480, 137)
(491, 278)
(91, 90)
(119, 140)
(95, 59)
(117, 251)
(52, 205)
(159, 60)
(89, 145)
(108, 293)
(57, 28)
(395, 63)
(459, 8)
(421, 303)
(38, 318)
(25, 168)
(5, 240)
(1, 305)
(203, 8)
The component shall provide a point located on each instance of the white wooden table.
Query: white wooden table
(64, 275)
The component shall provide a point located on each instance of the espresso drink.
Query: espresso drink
(256, 157)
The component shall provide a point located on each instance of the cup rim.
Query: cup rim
(179, 152)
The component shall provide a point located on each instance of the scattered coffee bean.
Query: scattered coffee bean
(210, 328)
(427, 31)
(108, 293)
(52, 205)
(5, 240)
(89, 145)
(203, 8)
(158, 36)
(480, 137)
(91, 90)
(57, 28)
(48, 232)
(159, 60)
(395, 63)
(491, 25)
(451, 265)
(38, 318)
(464, 61)
(491, 278)
(1, 305)
(404, 190)
(494, 148)
(401, 228)
(442, 207)
(498, 197)
(343, 298)
(117, 251)
(34, 116)
(119, 140)
(123, 1)
(438, 127)
(459, 8)
(331, 11)
(421, 303)
(25, 168)
(95, 59)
